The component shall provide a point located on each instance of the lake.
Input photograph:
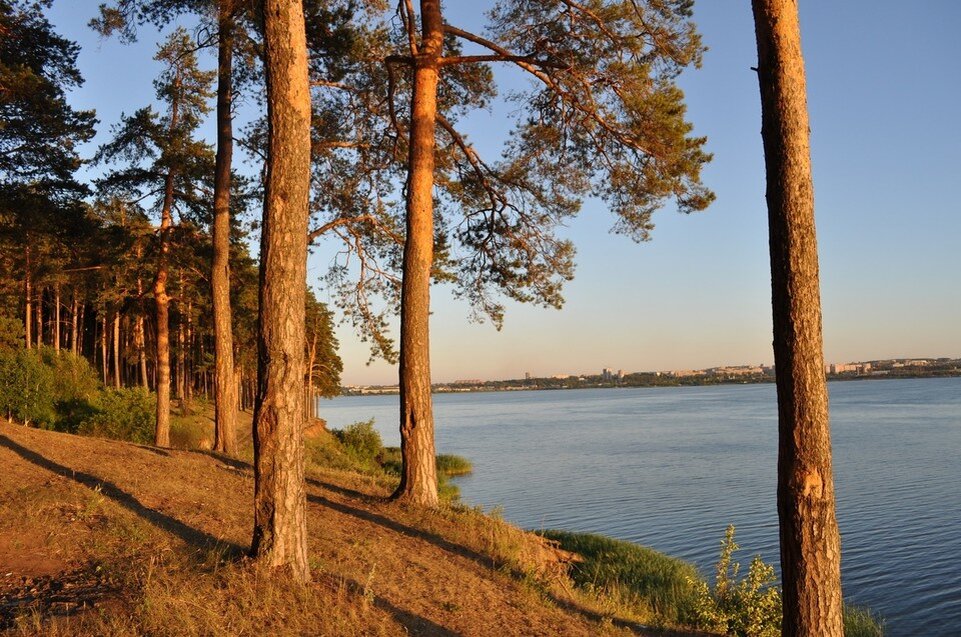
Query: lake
(670, 468)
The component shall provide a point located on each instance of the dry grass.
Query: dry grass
(133, 540)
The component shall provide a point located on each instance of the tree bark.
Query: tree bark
(116, 349)
(27, 291)
(280, 530)
(39, 312)
(418, 482)
(56, 317)
(225, 387)
(74, 323)
(810, 543)
(162, 300)
(104, 358)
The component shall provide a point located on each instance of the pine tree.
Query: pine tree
(165, 167)
(810, 543)
(280, 501)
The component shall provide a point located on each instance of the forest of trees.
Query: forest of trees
(163, 269)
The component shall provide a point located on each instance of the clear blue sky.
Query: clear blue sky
(884, 87)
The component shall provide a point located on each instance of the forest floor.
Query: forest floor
(99, 537)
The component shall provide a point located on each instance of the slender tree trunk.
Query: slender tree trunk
(225, 387)
(104, 363)
(27, 293)
(116, 349)
(162, 301)
(74, 323)
(418, 482)
(181, 353)
(280, 529)
(56, 317)
(191, 375)
(810, 543)
(39, 312)
(81, 328)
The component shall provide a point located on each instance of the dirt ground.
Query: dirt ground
(378, 568)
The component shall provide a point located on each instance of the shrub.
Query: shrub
(75, 388)
(861, 622)
(361, 441)
(26, 387)
(750, 607)
(123, 414)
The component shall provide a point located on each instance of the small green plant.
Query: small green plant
(750, 607)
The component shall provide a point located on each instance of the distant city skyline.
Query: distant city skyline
(885, 135)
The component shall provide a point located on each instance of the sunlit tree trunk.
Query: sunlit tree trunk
(419, 475)
(56, 317)
(810, 543)
(116, 349)
(38, 309)
(74, 323)
(104, 362)
(162, 327)
(225, 387)
(27, 292)
(280, 529)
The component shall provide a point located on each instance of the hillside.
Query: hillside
(106, 537)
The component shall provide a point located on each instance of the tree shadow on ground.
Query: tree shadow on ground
(486, 561)
(162, 521)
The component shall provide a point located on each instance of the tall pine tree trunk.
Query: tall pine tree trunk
(74, 323)
(27, 292)
(162, 327)
(116, 349)
(38, 309)
(280, 529)
(56, 317)
(810, 543)
(225, 389)
(161, 299)
(418, 482)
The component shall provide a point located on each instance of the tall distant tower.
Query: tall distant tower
(527, 375)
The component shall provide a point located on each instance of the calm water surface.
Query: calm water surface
(672, 467)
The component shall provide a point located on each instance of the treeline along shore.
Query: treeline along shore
(742, 375)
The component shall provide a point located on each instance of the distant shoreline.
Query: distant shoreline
(951, 369)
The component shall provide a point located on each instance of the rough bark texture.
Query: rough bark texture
(810, 544)
(162, 303)
(56, 318)
(116, 349)
(280, 532)
(27, 291)
(418, 482)
(225, 389)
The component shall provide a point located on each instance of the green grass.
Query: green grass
(861, 622)
(635, 579)
(453, 465)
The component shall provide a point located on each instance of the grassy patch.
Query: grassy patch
(451, 465)
(861, 622)
(634, 580)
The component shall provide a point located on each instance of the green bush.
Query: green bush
(75, 388)
(634, 577)
(751, 607)
(26, 387)
(123, 414)
(361, 441)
